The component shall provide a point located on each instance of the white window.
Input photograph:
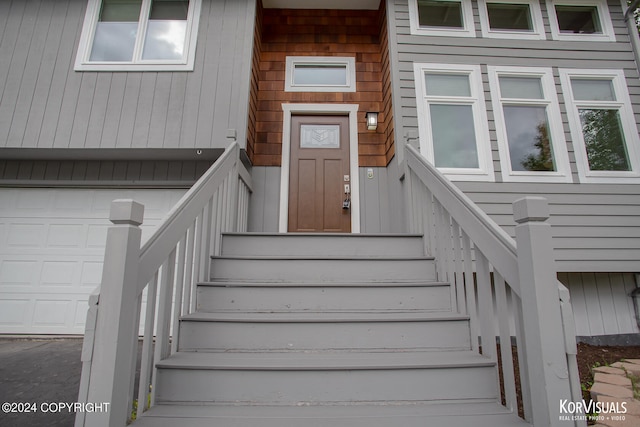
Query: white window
(454, 135)
(586, 20)
(603, 129)
(510, 19)
(441, 18)
(320, 74)
(528, 125)
(139, 35)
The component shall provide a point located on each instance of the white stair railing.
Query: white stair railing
(506, 289)
(167, 266)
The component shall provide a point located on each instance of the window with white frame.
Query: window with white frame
(442, 18)
(320, 74)
(138, 35)
(586, 20)
(511, 19)
(603, 129)
(452, 120)
(528, 125)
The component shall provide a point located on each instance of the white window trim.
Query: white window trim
(467, 19)
(89, 27)
(629, 126)
(350, 110)
(537, 32)
(485, 170)
(550, 101)
(607, 35)
(348, 61)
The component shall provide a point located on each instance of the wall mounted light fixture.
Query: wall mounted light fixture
(372, 120)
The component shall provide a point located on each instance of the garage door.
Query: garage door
(51, 249)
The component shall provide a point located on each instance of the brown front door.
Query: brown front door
(318, 174)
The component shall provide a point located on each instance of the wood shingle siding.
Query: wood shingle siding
(360, 34)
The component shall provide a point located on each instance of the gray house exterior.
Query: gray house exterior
(344, 202)
(75, 136)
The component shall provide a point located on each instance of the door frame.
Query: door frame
(350, 110)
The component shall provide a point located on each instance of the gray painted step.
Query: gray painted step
(243, 297)
(323, 331)
(322, 244)
(476, 413)
(300, 378)
(290, 269)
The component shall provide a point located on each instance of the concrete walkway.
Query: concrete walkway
(40, 372)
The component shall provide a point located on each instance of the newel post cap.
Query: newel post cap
(531, 208)
(126, 211)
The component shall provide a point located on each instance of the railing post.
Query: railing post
(118, 316)
(542, 321)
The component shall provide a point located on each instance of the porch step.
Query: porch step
(325, 330)
(323, 244)
(452, 414)
(319, 331)
(324, 377)
(325, 269)
(323, 297)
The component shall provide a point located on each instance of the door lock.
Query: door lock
(346, 204)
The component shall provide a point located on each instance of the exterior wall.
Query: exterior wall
(380, 197)
(601, 303)
(597, 226)
(44, 103)
(285, 32)
(101, 173)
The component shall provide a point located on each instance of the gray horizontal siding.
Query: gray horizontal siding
(44, 103)
(596, 227)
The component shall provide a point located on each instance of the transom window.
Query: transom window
(530, 136)
(452, 120)
(442, 17)
(602, 125)
(320, 74)
(511, 18)
(580, 20)
(138, 35)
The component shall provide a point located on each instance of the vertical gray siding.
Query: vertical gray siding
(264, 206)
(601, 303)
(44, 103)
(596, 227)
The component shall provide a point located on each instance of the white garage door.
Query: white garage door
(51, 249)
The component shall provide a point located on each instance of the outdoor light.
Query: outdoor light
(372, 120)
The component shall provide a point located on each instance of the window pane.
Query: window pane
(322, 75)
(166, 30)
(578, 19)
(169, 10)
(604, 140)
(504, 16)
(521, 87)
(454, 138)
(528, 138)
(434, 13)
(120, 10)
(116, 32)
(592, 89)
(447, 84)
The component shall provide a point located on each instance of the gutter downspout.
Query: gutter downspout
(633, 29)
(635, 296)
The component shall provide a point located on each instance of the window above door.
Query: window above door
(320, 74)
(138, 35)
